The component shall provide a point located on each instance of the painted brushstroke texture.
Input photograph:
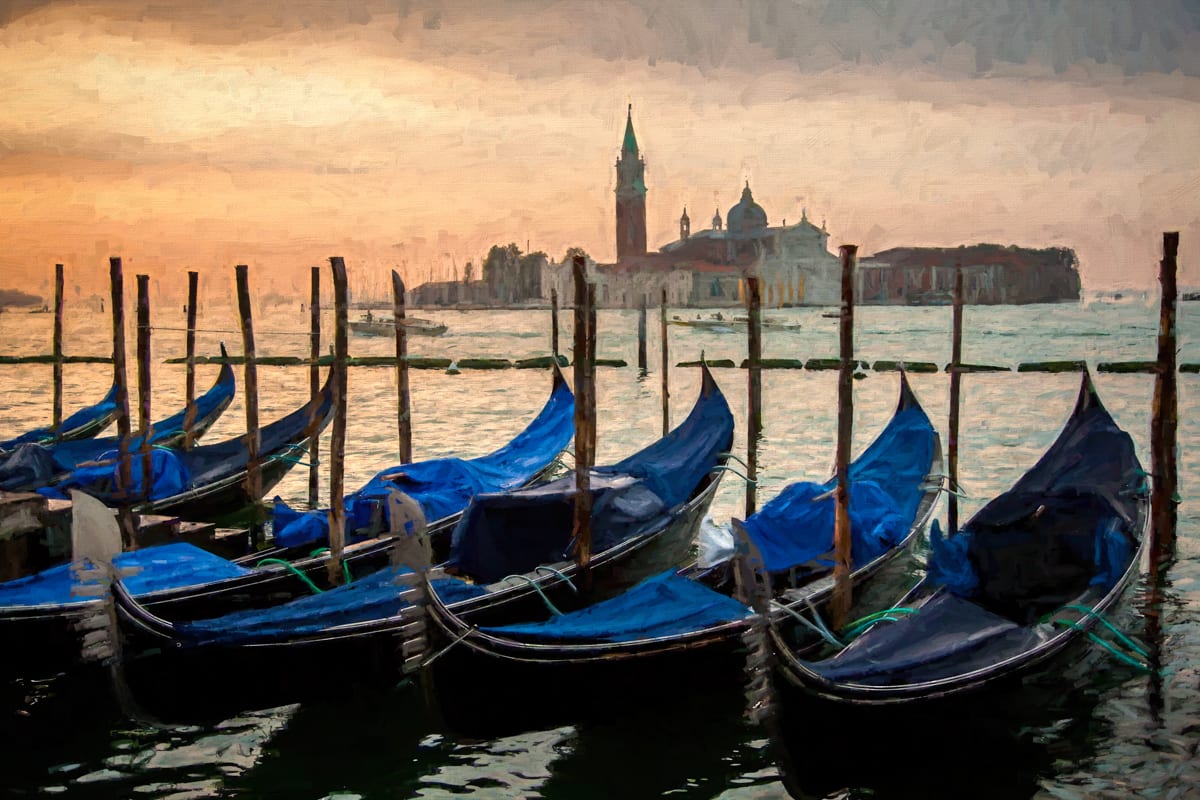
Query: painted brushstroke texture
(419, 133)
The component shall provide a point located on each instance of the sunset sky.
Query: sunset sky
(416, 134)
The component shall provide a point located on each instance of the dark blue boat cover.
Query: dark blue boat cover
(886, 482)
(84, 416)
(167, 566)
(514, 532)
(442, 486)
(169, 476)
(663, 605)
(375, 597)
(32, 464)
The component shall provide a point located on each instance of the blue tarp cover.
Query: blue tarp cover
(514, 532)
(169, 476)
(79, 419)
(375, 597)
(885, 492)
(167, 566)
(663, 605)
(442, 486)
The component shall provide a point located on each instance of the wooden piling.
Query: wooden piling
(124, 468)
(955, 390)
(842, 587)
(145, 421)
(253, 435)
(314, 389)
(641, 332)
(337, 447)
(189, 417)
(57, 344)
(403, 410)
(1165, 418)
(591, 366)
(754, 388)
(554, 323)
(584, 423)
(666, 369)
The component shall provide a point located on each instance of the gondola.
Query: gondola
(646, 510)
(674, 619)
(31, 465)
(1034, 571)
(185, 582)
(207, 482)
(83, 424)
(442, 486)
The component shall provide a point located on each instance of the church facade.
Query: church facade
(705, 268)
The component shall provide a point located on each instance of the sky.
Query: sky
(414, 135)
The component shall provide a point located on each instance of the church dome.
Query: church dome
(747, 216)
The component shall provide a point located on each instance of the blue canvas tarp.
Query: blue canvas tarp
(169, 476)
(167, 566)
(442, 486)
(663, 605)
(514, 532)
(886, 485)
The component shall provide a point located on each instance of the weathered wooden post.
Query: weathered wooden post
(314, 388)
(1165, 418)
(666, 367)
(57, 344)
(754, 388)
(403, 409)
(642, 336)
(842, 587)
(124, 469)
(145, 421)
(337, 446)
(189, 417)
(591, 367)
(955, 389)
(584, 422)
(254, 488)
(554, 323)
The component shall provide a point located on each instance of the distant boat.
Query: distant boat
(371, 325)
(1190, 296)
(719, 323)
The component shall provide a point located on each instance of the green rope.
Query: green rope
(860, 626)
(1125, 640)
(553, 609)
(292, 569)
(321, 551)
(1120, 656)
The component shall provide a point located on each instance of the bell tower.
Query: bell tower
(631, 195)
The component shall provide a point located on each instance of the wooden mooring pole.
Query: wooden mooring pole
(254, 488)
(403, 409)
(314, 389)
(584, 422)
(189, 417)
(666, 369)
(124, 468)
(842, 566)
(1165, 418)
(642, 336)
(554, 323)
(57, 344)
(754, 389)
(337, 445)
(591, 369)
(955, 395)
(145, 421)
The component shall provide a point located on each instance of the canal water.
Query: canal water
(1092, 728)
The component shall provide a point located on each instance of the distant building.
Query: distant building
(705, 268)
(992, 275)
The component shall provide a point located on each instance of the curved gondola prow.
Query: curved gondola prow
(131, 611)
(908, 398)
(1088, 397)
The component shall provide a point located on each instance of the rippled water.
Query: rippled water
(1094, 729)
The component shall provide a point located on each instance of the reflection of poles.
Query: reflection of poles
(754, 388)
(554, 323)
(124, 471)
(641, 332)
(842, 588)
(955, 389)
(1163, 498)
